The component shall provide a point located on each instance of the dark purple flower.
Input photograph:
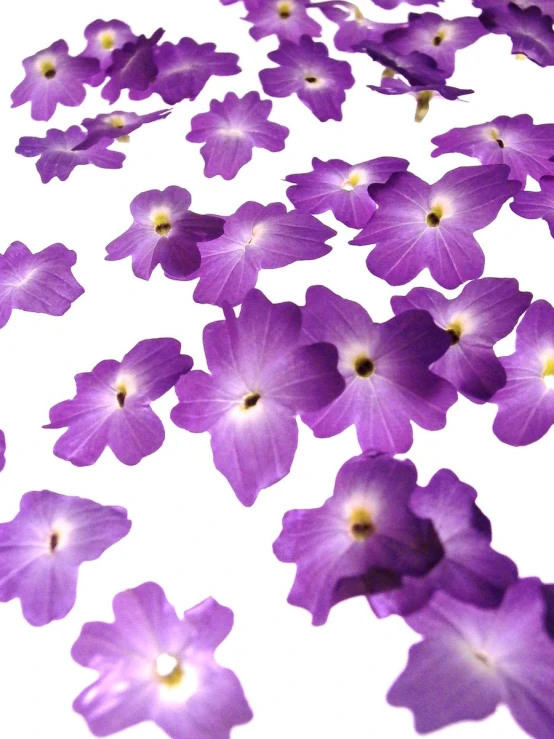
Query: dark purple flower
(42, 547)
(102, 38)
(231, 129)
(38, 283)
(287, 19)
(547, 6)
(133, 66)
(354, 28)
(57, 155)
(529, 30)
(526, 402)
(52, 77)
(154, 666)
(256, 237)
(419, 225)
(422, 93)
(362, 540)
(390, 4)
(537, 204)
(386, 370)
(112, 405)
(417, 68)
(341, 187)
(306, 69)
(164, 231)
(484, 312)
(117, 125)
(184, 69)
(471, 659)
(548, 594)
(260, 380)
(470, 570)
(2, 450)
(524, 146)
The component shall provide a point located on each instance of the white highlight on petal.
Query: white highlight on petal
(177, 681)
(165, 664)
(257, 231)
(125, 386)
(548, 370)
(58, 536)
(348, 356)
(231, 132)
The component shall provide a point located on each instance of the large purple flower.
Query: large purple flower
(484, 312)
(471, 659)
(362, 540)
(526, 402)
(422, 93)
(341, 187)
(524, 146)
(256, 237)
(133, 66)
(306, 69)
(164, 231)
(419, 225)
(58, 157)
(42, 548)
(52, 77)
(102, 38)
(39, 283)
(260, 379)
(354, 27)
(287, 19)
(231, 129)
(154, 666)
(529, 204)
(470, 570)
(386, 370)
(530, 31)
(112, 405)
(117, 125)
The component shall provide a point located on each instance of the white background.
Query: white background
(189, 532)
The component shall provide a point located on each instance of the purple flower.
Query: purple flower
(386, 370)
(470, 570)
(390, 4)
(117, 125)
(52, 77)
(231, 129)
(417, 68)
(184, 69)
(102, 38)
(58, 157)
(112, 405)
(419, 225)
(354, 28)
(164, 231)
(341, 187)
(2, 450)
(287, 19)
(133, 66)
(306, 69)
(484, 312)
(422, 93)
(524, 146)
(260, 379)
(537, 204)
(154, 666)
(530, 31)
(547, 6)
(256, 237)
(471, 659)
(362, 540)
(39, 283)
(526, 402)
(42, 548)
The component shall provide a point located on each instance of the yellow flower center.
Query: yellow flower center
(548, 373)
(116, 121)
(363, 366)
(250, 401)
(361, 524)
(433, 218)
(107, 40)
(47, 69)
(495, 136)
(161, 223)
(439, 38)
(454, 328)
(423, 100)
(169, 671)
(285, 10)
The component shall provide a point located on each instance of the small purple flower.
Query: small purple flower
(422, 93)
(362, 540)
(52, 77)
(526, 402)
(354, 27)
(470, 570)
(133, 66)
(419, 225)
(287, 19)
(386, 370)
(117, 125)
(112, 405)
(260, 379)
(484, 312)
(471, 659)
(102, 38)
(42, 547)
(530, 31)
(529, 204)
(164, 231)
(184, 69)
(39, 283)
(2, 450)
(306, 69)
(417, 68)
(154, 666)
(256, 237)
(231, 129)
(58, 157)
(341, 187)
(524, 146)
